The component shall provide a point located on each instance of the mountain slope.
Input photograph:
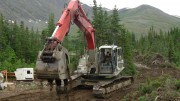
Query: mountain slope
(36, 12)
(140, 19)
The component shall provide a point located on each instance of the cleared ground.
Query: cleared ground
(26, 91)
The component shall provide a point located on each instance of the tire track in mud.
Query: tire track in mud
(46, 95)
(26, 96)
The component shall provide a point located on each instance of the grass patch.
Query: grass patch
(165, 87)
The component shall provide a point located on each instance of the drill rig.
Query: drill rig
(52, 62)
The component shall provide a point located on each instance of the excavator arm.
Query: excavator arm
(52, 61)
(74, 14)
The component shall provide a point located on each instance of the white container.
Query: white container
(24, 74)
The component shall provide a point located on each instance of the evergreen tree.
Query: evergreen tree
(116, 29)
(15, 30)
(100, 23)
(47, 32)
(95, 10)
(2, 40)
(171, 50)
(8, 58)
(106, 29)
(133, 40)
(151, 36)
(51, 25)
(129, 65)
(44, 35)
(4, 33)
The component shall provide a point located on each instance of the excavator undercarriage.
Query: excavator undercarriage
(102, 88)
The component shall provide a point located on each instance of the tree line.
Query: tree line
(166, 44)
(19, 45)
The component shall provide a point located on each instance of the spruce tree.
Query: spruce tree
(116, 30)
(128, 57)
(171, 50)
(44, 35)
(51, 25)
(2, 39)
(47, 32)
(15, 30)
(98, 22)
(106, 30)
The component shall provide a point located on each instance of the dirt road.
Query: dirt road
(37, 94)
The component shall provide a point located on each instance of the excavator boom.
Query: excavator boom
(74, 14)
(52, 61)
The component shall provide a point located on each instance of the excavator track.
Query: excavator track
(104, 89)
(101, 88)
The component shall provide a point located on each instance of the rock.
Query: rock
(10, 86)
(141, 66)
(1, 78)
(157, 60)
(2, 86)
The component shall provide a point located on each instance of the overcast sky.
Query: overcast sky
(171, 7)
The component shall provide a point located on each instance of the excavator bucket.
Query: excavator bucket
(52, 65)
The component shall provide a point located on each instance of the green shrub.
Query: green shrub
(142, 98)
(130, 69)
(152, 96)
(177, 84)
(170, 95)
(164, 78)
(145, 88)
(149, 97)
(156, 83)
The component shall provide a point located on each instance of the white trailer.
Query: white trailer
(24, 74)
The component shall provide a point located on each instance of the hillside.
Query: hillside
(140, 19)
(35, 13)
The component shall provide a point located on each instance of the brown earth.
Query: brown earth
(34, 93)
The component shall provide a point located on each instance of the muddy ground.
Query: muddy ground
(31, 91)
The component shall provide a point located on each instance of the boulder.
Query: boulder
(1, 78)
(11, 86)
(2, 86)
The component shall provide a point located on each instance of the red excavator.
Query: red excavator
(101, 67)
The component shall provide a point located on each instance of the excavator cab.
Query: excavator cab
(110, 60)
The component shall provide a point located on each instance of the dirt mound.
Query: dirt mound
(158, 60)
(155, 60)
